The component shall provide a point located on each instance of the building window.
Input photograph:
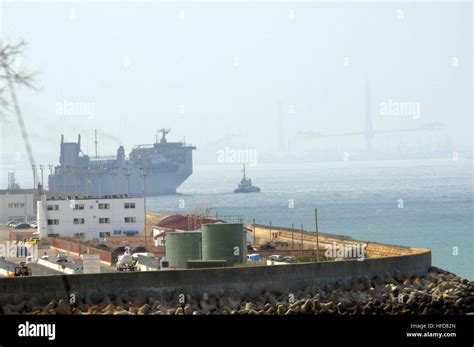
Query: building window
(130, 219)
(104, 206)
(53, 207)
(104, 220)
(78, 207)
(53, 221)
(129, 205)
(104, 234)
(117, 232)
(78, 221)
(130, 232)
(79, 235)
(15, 205)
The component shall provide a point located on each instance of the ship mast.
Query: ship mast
(163, 137)
(244, 171)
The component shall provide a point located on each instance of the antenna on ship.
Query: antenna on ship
(244, 171)
(163, 137)
(95, 133)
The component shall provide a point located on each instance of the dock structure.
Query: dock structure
(298, 239)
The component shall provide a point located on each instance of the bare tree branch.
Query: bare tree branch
(9, 55)
(4, 106)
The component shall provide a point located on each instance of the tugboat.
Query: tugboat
(245, 185)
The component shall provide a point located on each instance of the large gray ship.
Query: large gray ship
(158, 169)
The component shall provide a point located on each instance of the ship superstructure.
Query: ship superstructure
(158, 168)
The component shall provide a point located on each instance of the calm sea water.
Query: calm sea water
(358, 199)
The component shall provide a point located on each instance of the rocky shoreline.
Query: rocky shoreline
(438, 292)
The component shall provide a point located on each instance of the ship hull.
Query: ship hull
(253, 190)
(155, 184)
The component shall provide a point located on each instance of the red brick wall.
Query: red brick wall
(17, 235)
(133, 241)
(79, 248)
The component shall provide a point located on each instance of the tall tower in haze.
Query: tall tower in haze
(369, 127)
(281, 139)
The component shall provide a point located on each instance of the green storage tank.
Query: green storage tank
(182, 246)
(224, 241)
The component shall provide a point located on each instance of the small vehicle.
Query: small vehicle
(78, 264)
(22, 226)
(10, 223)
(267, 247)
(61, 257)
(143, 254)
(126, 262)
(254, 257)
(32, 241)
(276, 257)
(33, 225)
(22, 270)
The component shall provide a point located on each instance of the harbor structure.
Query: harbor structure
(90, 218)
(181, 247)
(17, 205)
(224, 241)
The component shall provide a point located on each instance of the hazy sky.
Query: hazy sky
(215, 73)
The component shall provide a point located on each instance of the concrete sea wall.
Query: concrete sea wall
(247, 280)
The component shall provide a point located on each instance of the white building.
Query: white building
(16, 205)
(90, 218)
